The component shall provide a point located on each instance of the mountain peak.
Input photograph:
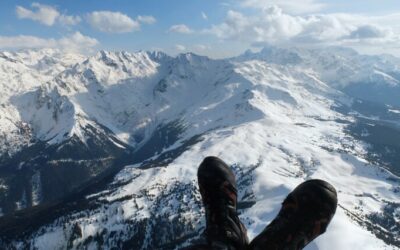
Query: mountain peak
(278, 117)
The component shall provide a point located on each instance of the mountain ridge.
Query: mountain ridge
(276, 122)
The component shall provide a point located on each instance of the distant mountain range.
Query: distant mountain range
(102, 151)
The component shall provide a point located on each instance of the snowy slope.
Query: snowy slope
(276, 122)
(20, 73)
(374, 78)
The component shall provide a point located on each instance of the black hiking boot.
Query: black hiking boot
(305, 214)
(218, 190)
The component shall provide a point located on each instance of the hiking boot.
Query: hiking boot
(305, 214)
(218, 190)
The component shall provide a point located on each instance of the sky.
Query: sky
(213, 28)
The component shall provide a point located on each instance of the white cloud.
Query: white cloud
(200, 47)
(180, 47)
(180, 28)
(21, 41)
(105, 21)
(77, 42)
(112, 22)
(74, 42)
(289, 6)
(234, 26)
(69, 20)
(44, 14)
(273, 26)
(367, 31)
(146, 19)
(204, 16)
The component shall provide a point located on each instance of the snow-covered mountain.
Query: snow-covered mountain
(102, 151)
(373, 78)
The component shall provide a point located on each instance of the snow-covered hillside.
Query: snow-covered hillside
(123, 133)
(373, 78)
(20, 73)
